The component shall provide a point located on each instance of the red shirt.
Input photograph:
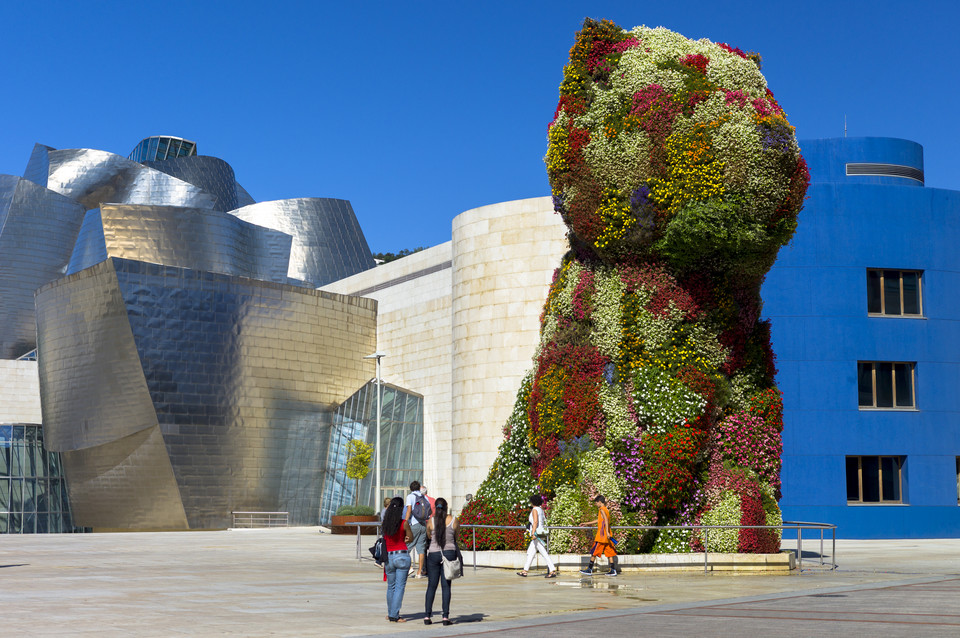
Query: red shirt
(397, 541)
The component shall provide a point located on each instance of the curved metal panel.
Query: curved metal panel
(89, 248)
(92, 177)
(328, 243)
(183, 237)
(212, 174)
(38, 167)
(243, 197)
(39, 228)
(125, 484)
(241, 377)
(92, 388)
(245, 376)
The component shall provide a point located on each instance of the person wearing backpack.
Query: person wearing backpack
(416, 512)
(537, 526)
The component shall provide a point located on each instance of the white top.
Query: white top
(541, 520)
(408, 506)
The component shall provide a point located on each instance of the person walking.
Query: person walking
(442, 529)
(537, 524)
(396, 535)
(430, 499)
(603, 543)
(416, 512)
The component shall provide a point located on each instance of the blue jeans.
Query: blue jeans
(397, 565)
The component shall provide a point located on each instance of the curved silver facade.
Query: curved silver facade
(213, 384)
(183, 237)
(211, 174)
(93, 177)
(328, 243)
(188, 368)
(38, 229)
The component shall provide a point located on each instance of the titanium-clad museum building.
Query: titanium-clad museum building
(188, 367)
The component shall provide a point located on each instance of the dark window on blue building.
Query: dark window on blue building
(874, 479)
(894, 292)
(885, 385)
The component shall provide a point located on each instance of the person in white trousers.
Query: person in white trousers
(538, 535)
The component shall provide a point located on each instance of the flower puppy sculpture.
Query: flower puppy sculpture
(679, 178)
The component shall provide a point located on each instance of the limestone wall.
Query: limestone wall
(504, 256)
(20, 389)
(459, 323)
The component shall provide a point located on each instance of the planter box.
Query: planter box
(341, 525)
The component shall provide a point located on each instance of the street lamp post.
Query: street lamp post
(376, 495)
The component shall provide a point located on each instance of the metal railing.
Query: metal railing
(797, 526)
(787, 525)
(261, 519)
(359, 537)
(822, 527)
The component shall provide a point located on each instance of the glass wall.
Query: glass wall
(161, 147)
(33, 496)
(401, 447)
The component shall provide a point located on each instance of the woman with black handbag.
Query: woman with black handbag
(442, 530)
(397, 535)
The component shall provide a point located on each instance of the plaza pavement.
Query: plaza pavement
(297, 582)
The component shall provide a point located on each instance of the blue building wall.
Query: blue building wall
(816, 298)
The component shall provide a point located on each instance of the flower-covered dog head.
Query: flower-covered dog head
(672, 150)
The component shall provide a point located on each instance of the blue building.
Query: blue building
(866, 327)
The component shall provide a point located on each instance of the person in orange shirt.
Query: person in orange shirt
(603, 544)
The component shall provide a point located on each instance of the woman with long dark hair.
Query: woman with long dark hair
(442, 529)
(537, 526)
(397, 535)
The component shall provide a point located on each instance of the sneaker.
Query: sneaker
(613, 572)
(587, 572)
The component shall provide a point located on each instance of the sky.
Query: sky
(419, 111)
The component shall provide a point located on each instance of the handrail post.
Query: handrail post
(706, 545)
(821, 547)
(358, 542)
(833, 552)
(474, 549)
(800, 549)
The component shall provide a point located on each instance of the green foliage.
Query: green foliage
(510, 481)
(384, 258)
(726, 512)
(672, 541)
(718, 229)
(359, 454)
(355, 510)
(570, 507)
(481, 511)
(662, 401)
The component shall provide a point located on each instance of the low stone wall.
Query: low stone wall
(784, 562)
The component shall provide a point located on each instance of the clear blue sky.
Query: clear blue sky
(418, 111)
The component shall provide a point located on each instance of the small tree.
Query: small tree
(358, 462)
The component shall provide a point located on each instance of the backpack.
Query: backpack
(379, 551)
(422, 509)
